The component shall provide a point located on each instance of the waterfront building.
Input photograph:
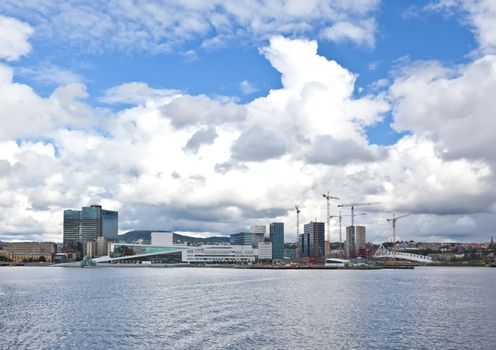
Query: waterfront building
(89, 248)
(258, 234)
(312, 241)
(71, 231)
(264, 251)
(241, 238)
(355, 240)
(303, 246)
(168, 252)
(361, 243)
(219, 254)
(276, 234)
(87, 224)
(19, 252)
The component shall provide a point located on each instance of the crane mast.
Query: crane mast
(393, 221)
(328, 198)
(297, 228)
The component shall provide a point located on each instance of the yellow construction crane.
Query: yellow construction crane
(328, 198)
(297, 229)
(393, 221)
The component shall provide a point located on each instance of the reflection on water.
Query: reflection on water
(188, 308)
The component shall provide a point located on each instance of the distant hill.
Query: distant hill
(145, 235)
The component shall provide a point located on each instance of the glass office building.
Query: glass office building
(241, 238)
(110, 224)
(87, 224)
(276, 234)
(314, 240)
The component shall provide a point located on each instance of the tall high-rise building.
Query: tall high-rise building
(355, 240)
(361, 243)
(87, 224)
(313, 240)
(276, 234)
(258, 234)
(349, 245)
(71, 230)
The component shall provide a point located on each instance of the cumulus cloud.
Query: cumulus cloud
(137, 93)
(258, 144)
(162, 26)
(189, 110)
(204, 136)
(360, 33)
(197, 163)
(479, 14)
(24, 113)
(14, 38)
(454, 105)
(327, 150)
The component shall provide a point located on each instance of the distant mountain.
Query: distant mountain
(145, 235)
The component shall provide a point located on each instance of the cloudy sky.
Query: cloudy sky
(208, 116)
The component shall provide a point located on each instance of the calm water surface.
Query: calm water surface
(207, 308)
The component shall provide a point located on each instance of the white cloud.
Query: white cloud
(248, 162)
(453, 105)
(360, 33)
(162, 26)
(138, 93)
(247, 88)
(14, 36)
(480, 15)
(24, 113)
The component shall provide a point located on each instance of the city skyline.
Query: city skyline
(208, 117)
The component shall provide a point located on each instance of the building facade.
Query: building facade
(241, 238)
(19, 252)
(355, 241)
(276, 234)
(88, 224)
(258, 234)
(312, 241)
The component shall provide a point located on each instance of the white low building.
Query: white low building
(264, 251)
(220, 254)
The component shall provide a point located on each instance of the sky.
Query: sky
(205, 117)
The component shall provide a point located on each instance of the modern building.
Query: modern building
(89, 248)
(241, 238)
(313, 240)
(87, 224)
(361, 243)
(276, 234)
(258, 234)
(264, 251)
(164, 251)
(355, 240)
(219, 254)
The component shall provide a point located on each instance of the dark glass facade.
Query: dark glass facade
(313, 240)
(71, 230)
(276, 234)
(241, 238)
(110, 224)
(88, 224)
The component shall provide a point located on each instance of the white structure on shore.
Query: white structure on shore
(163, 250)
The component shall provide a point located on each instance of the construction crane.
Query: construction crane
(393, 221)
(352, 206)
(328, 198)
(297, 228)
(340, 217)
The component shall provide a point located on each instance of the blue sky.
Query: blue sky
(207, 76)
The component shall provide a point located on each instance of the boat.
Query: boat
(336, 263)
